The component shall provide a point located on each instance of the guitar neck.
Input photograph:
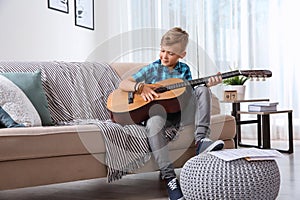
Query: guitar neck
(200, 81)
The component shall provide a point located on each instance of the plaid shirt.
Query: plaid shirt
(155, 72)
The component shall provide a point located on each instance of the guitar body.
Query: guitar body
(123, 112)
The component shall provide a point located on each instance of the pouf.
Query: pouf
(208, 177)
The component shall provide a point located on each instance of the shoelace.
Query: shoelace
(172, 184)
(205, 140)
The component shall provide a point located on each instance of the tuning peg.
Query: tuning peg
(251, 78)
(264, 78)
(258, 78)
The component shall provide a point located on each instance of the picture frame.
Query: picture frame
(84, 13)
(59, 5)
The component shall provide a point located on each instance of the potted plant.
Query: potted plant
(236, 83)
(237, 80)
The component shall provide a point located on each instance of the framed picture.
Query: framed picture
(59, 5)
(84, 13)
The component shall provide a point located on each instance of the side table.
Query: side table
(236, 106)
(263, 119)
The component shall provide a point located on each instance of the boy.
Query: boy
(173, 47)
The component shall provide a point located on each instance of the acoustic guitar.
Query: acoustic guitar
(130, 108)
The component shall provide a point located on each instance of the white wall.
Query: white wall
(32, 32)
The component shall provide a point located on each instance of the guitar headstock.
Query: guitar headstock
(258, 74)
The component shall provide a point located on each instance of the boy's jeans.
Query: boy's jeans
(197, 111)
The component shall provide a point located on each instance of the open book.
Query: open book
(249, 154)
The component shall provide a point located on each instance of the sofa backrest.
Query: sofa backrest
(126, 69)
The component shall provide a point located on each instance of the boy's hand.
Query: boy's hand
(214, 80)
(148, 93)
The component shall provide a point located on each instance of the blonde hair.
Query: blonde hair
(174, 36)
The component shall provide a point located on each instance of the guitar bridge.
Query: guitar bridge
(161, 89)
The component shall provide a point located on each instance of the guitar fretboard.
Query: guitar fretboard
(201, 80)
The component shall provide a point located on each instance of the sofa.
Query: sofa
(47, 153)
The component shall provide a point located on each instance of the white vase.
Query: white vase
(240, 90)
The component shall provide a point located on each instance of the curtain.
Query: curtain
(224, 34)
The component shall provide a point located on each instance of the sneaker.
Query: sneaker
(205, 145)
(174, 190)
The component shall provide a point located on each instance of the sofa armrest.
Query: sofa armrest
(222, 127)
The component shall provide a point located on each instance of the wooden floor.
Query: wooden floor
(145, 186)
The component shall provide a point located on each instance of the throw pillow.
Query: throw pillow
(15, 106)
(6, 121)
(31, 84)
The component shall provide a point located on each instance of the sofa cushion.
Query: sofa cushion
(16, 104)
(31, 85)
(53, 141)
(49, 141)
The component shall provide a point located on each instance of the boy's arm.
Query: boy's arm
(127, 84)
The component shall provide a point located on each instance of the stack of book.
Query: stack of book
(263, 107)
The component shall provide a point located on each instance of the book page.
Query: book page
(249, 153)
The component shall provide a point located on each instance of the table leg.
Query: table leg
(259, 131)
(291, 145)
(266, 131)
(235, 109)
